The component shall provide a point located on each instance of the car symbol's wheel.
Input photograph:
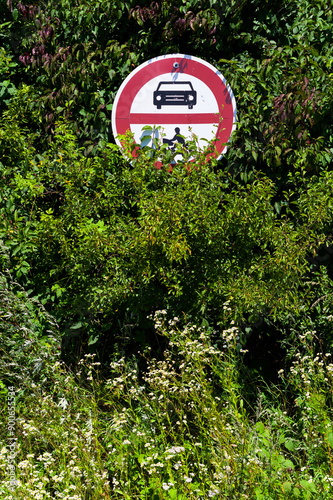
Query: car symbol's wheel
(159, 106)
(190, 106)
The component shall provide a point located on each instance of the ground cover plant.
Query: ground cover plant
(181, 427)
(166, 333)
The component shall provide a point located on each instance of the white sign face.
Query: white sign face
(181, 95)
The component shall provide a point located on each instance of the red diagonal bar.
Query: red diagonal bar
(173, 118)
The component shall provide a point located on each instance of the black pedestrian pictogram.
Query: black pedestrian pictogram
(175, 94)
(176, 138)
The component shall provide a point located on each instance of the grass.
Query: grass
(180, 428)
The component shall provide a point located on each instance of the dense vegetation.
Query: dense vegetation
(168, 334)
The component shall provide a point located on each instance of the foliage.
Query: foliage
(178, 427)
(7, 88)
(29, 336)
(77, 54)
(114, 238)
(231, 394)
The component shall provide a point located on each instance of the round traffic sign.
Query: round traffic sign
(176, 96)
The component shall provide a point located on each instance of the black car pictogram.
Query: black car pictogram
(175, 94)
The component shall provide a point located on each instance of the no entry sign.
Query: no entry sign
(180, 94)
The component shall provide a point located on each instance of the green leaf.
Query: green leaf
(288, 464)
(330, 439)
(290, 444)
(287, 487)
(76, 326)
(92, 340)
(309, 486)
(260, 428)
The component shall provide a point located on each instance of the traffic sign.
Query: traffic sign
(177, 96)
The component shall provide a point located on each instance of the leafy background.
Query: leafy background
(93, 245)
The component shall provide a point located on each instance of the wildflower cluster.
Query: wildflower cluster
(179, 427)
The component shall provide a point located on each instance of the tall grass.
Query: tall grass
(177, 427)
